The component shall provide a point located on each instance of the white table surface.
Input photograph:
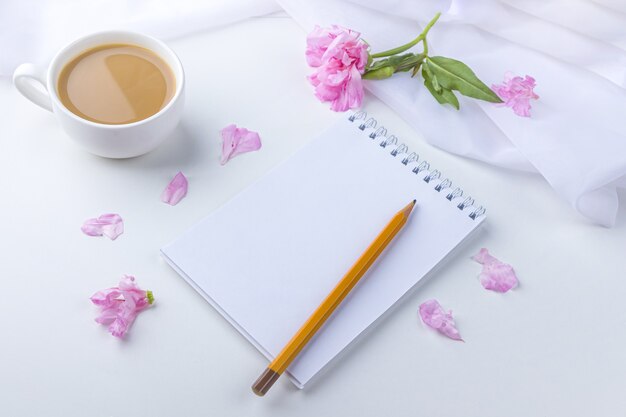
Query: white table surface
(553, 347)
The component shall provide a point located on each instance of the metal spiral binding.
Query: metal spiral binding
(444, 186)
(381, 131)
(391, 140)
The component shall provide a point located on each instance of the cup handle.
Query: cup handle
(24, 79)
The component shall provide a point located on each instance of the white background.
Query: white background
(553, 347)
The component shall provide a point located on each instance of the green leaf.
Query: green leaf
(455, 75)
(426, 73)
(435, 82)
(445, 96)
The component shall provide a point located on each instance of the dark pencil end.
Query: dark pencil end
(265, 382)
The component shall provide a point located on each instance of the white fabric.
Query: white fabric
(32, 31)
(600, 19)
(615, 5)
(559, 37)
(576, 137)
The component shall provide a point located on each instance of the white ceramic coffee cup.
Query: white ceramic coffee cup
(111, 141)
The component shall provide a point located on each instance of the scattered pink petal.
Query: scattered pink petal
(496, 276)
(110, 225)
(120, 305)
(516, 92)
(176, 190)
(433, 315)
(339, 57)
(236, 141)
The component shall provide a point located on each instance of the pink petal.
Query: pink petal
(236, 141)
(112, 231)
(433, 315)
(176, 190)
(326, 92)
(127, 286)
(109, 225)
(516, 93)
(106, 298)
(127, 283)
(120, 326)
(319, 40)
(92, 227)
(109, 314)
(483, 256)
(495, 275)
(121, 305)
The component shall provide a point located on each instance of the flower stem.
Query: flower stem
(399, 49)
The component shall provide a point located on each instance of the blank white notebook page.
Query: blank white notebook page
(267, 258)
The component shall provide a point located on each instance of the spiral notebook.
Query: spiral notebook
(268, 257)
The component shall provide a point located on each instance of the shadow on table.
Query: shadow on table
(181, 150)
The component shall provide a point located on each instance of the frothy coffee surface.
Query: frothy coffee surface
(116, 84)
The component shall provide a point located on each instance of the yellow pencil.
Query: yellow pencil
(336, 296)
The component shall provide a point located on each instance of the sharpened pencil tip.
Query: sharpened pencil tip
(409, 208)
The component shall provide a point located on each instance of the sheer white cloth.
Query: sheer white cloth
(576, 50)
(576, 137)
(33, 30)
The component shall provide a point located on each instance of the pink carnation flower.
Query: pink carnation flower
(516, 92)
(340, 57)
(119, 306)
